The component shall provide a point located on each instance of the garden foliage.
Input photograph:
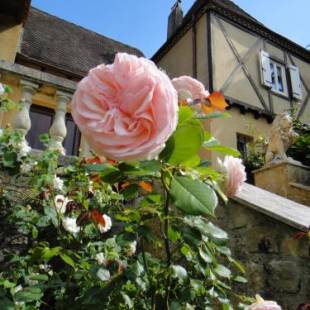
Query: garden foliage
(162, 252)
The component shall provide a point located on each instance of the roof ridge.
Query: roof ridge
(32, 8)
(230, 10)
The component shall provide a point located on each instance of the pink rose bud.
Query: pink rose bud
(262, 304)
(235, 175)
(126, 110)
(189, 89)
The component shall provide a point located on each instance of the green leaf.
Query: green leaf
(143, 168)
(67, 259)
(223, 149)
(179, 272)
(45, 253)
(184, 144)
(237, 265)
(240, 279)
(205, 256)
(185, 114)
(173, 235)
(222, 271)
(103, 274)
(39, 277)
(187, 252)
(193, 196)
(51, 213)
(9, 159)
(104, 168)
(215, 232)
(7, 284)
(28, 294)
(224, 250)
(134, 271)
(129, 303)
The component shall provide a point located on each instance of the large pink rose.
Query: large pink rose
(262, 304)
(126, 110)
(189, 89)
(235, 175)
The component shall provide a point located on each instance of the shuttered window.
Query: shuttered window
(295, 82)
(265, 67)
(274, 75)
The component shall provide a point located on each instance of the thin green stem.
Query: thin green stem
(167, 247)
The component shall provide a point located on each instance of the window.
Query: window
(278, 78)
(242, 141)
(273, 76)
(41, 121)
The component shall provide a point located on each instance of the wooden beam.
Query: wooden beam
(245, 69)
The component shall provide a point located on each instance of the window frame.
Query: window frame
(247, 139)
(277, 63)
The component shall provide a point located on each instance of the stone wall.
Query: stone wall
(278, 266)
(287, 179)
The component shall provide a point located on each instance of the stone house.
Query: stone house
(260, 72)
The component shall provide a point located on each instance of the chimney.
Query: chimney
(175, 18)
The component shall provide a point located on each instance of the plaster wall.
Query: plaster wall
(226, 129)
(179, 59)
(10, 33)
(202, 50)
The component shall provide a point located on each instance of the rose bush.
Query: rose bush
(101, 234)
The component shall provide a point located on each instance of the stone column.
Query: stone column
(22, 121)
(58, 130)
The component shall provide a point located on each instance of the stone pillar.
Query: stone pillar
(85, 150)
(58, 130)
(22, 121)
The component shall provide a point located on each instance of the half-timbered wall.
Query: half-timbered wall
(236, 69)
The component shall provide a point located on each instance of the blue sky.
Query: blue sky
(143, 23)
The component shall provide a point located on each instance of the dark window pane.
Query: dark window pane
(273, 76)
(41, 121)
(242, 141)
(72, 140)
(280, 80)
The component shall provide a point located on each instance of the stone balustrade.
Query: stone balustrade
(58, 130)
(22, 121)
(30, 80)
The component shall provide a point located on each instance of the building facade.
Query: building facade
(260, 72)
